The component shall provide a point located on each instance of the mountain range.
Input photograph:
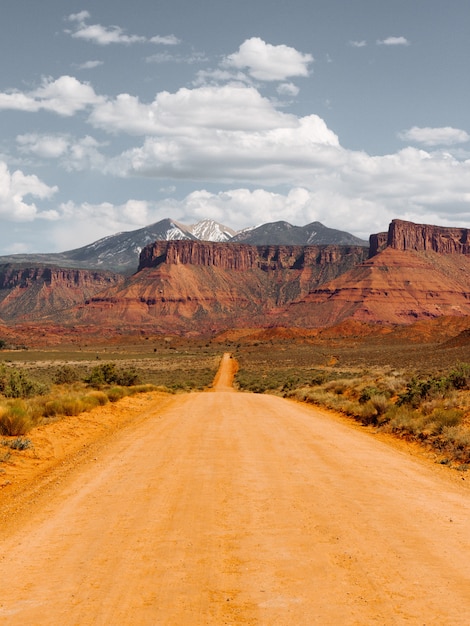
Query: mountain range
(184, 285)
(120, 252)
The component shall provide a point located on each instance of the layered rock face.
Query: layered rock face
(27, 292)
(199, 285)
(242, 257)
(420, 238)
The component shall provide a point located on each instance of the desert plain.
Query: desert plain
(206, 503)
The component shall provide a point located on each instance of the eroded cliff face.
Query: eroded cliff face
(29, 292)
(204, 285)
(408, 236)
(242, 257)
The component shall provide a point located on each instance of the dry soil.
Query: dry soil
(235, 508)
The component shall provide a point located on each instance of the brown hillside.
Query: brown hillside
(193, 286)
(27, 293)
(393, 287)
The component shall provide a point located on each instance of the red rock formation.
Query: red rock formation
(31, 292)
(242, 257)
(200, 285)
(393, 287)
(422, 237)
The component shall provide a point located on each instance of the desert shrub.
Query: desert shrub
(15, 419)
(66, 374)
(109, 374)
(146, 388)
(401, 418)
(337, 386)
(459, 378)
(95, 398)
(64, 405)
(442, 418)
(116, 393)
(3, 344)
(14, 383)
(20, 443)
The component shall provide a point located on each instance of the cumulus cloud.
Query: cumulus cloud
(106, 35)
(46, 146)
(86, 222)
(443, 136)
(74, 154)
(267, 62)
(393, 41)
(65, 96)
(191, 112)
(14, 188)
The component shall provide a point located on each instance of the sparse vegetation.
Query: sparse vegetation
(33, 393)
(431, 409)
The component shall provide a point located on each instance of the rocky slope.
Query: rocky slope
(27, 293)
(187, 285)
(414, 272)
(393, 287)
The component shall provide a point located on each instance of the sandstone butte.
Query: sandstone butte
(412, 272)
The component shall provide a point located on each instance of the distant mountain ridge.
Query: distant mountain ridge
(120, 252)
(184, 285)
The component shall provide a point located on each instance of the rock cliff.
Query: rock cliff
(205, 285)
(243, 257)
(28, 292)
(408, 236)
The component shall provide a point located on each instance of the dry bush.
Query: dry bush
(15, 419)
(116, 393)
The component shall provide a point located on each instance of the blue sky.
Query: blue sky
(116, 115)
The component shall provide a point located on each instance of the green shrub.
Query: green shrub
(109, 374)
(14, 383)
(66, 375)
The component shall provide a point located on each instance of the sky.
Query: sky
(114, 116)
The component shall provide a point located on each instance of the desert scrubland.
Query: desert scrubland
(158, 502)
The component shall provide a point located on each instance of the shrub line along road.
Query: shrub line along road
(236, 508)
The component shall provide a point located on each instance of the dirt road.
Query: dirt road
(231, 508)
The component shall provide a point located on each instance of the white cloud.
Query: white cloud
(358, 44)
(393, 41)
(165, 40)
(14, 187)
(443, 136)
(106, 35)
(192, 112)
(74, 154)
(266, 62)
(79, 17)
(168, 57)
(46, 146)
(288, 89)
(64, 96)
(89, 65)
(84, 223)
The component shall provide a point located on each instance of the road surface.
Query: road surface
(236, 508)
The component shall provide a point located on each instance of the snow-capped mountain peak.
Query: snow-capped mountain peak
(209, 230)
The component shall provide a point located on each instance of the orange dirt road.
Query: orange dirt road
(230, 508)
